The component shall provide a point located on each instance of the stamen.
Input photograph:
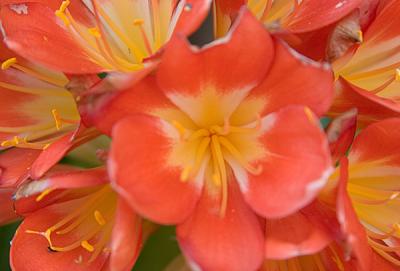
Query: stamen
(94, 32)
(238, 156)
(216, 148)
(139, 54)
(10, 143)
(139, 23)
(360, 36)
(60, 13)
(8, 63)
(99, 218)
(85, 244)
(156, 24)
(57, 118)
(43, 194)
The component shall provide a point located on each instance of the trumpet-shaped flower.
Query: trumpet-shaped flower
(368, 208)
(73, 220)
(220, 137)
(308, 25)
(92, 36)
(371, 70)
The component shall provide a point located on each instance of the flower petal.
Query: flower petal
(341, 132)
(296, 165)
(15, 164)
(232, 242)
(126, 238)
(295, 235)
(370, 107)
(378, 142)
(314, 14)
(35, 34)
(189, 15)
(141, 97)
(37, 256)
(142, 173)
(294, 79)
(220, 65)
(7, 212)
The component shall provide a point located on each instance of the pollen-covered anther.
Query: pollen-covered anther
(8, 63)
(85, 244)
(60, 13)
(95, 32)
(58, 120)
(99, 218)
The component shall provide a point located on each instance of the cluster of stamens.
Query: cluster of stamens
(99, 46)
(214, 145)
(25, 133)
(379, 239)
(97, 210)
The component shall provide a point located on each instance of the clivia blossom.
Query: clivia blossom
(74, 221)
(370, 174)
(82, 37)
(368, 74)
(204, 142)
(309, 26)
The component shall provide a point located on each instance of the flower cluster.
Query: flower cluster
(273, 147)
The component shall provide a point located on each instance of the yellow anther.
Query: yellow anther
(8, 63)
(138, 22)
(398, 75)
(186, 173)
(99, 218)
(64, 5)
(43, 194)
(60, 13)
(57, 118)
(309, 114)
(95, 32)
(85, 244)
(360, 36)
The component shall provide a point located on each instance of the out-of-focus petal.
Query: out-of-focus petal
(144, 174)
(232, 242)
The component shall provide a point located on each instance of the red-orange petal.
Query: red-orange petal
(296, 166)
(295, 235)
(38, 36)
(295, 80)
(314, 14)
(126, 240)
(246, 52)
(234, 242)
(142, 174)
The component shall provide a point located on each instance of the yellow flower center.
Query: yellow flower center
(49, 109)
(124, 32)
